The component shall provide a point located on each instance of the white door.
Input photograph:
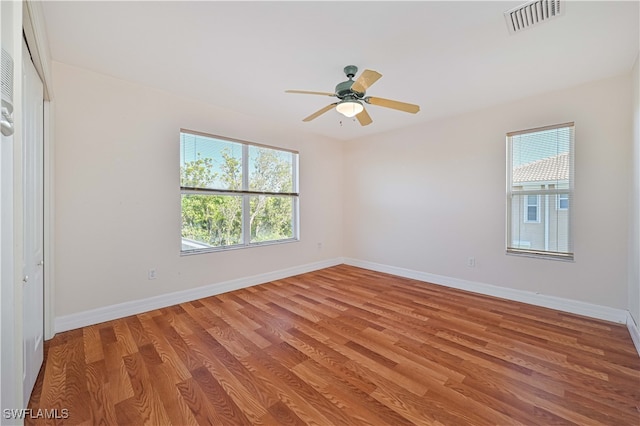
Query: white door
(33, 168)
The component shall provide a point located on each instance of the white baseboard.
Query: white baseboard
(120, 310)
(532, 298)
(633, 331)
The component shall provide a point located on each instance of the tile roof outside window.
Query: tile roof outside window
(548, 169)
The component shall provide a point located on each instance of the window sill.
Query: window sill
(236, 247)
(539, 255)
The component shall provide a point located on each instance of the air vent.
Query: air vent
(532, 13)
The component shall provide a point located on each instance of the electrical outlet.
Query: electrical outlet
(319, 246)
(152, 274)
(471, 262)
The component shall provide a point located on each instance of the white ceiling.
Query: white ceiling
(447, 57)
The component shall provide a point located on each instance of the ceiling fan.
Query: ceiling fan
(351, 95)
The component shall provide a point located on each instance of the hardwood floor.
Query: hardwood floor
(343, 346)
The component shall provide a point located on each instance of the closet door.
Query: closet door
(33, 193)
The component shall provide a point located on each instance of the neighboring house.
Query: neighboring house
(541, 221)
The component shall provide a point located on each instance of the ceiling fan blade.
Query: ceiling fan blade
(320, 112)
(366, 79)
(364, 118)
(388, 103)
(306, 92)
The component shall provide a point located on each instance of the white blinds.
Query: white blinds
(540, 191)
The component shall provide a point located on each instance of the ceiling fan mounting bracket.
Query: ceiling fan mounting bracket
(350, 71)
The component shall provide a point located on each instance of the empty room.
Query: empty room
(320, 213)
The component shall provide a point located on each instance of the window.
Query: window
(532, 208)
(539, 191)
(235, 194)
(563, 202)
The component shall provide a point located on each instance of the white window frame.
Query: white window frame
(513, 191)
(246, 195)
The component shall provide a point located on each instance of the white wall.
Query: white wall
(117, 209)
(428, 197)
(634, 234)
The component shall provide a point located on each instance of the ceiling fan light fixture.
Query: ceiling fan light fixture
(349, 108)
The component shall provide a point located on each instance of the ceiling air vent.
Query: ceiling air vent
(532, 13)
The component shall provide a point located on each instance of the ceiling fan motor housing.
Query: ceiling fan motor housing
(343, 89)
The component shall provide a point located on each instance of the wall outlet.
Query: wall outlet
(471, 262)
(152, 274)
(319, 246)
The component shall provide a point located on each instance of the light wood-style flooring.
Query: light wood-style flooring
(343, 346)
